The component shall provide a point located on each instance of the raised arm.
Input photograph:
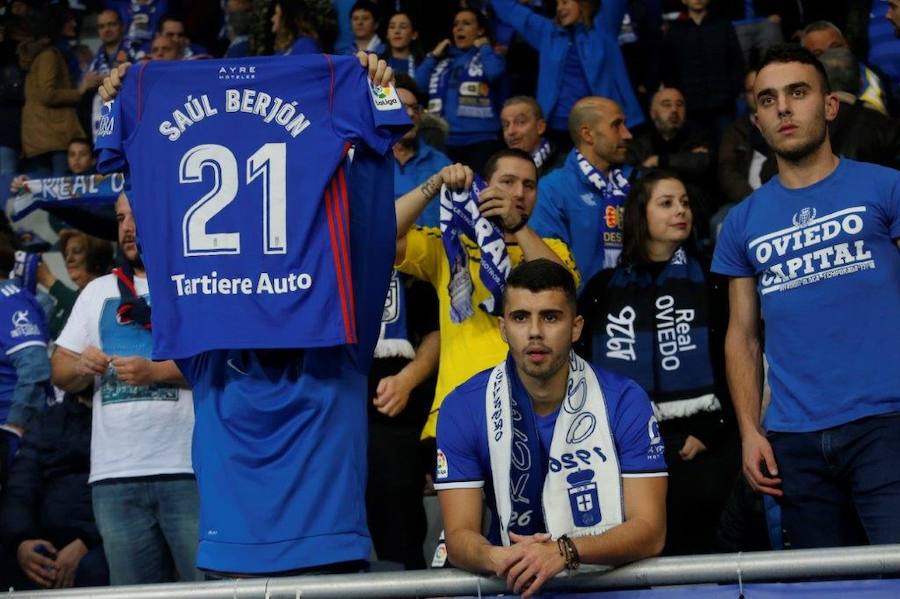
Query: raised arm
(609, 17)
(411, 204)
(530, 25)
(743, 363)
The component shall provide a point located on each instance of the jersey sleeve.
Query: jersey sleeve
(113, 128)
(730, 259)
(424, 251)
(458, 466)
(561, 249)
(76, 335)
(893, 211)
(24, 323)
(363, 112)
(636, 433)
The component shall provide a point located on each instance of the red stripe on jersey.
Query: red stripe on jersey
(330, 209)
(344, 215)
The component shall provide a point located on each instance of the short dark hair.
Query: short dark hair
(366, 5)
(490, 167)
(82, 140)
(635, 230)
(542, 275)
(842, 68)
(784, 53)
(166, 19)
(404, 81)
(528, 101)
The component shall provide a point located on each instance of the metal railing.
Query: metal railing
(780, 566)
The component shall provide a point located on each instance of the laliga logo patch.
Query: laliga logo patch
(384, 97)
(442, 470)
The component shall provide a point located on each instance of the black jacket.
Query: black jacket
(705, 62)
(864, 134)
(47, 495)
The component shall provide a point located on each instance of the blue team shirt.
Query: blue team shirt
(284, 432)
(240, 197)
(22, 325)
(462, 433)
(827, 273)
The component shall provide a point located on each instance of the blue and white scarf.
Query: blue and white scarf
(393, 340)
(25, 271)
(577, 489)
(460, 216)
(613, 190)
(474, 99)
(74, 190)
(655, 330)
(542, 153)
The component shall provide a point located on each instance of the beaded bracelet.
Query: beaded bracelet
(569, 552)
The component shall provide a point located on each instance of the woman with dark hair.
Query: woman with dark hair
(659, 318)
(403, 52)
(463, 79)
(307, 27)
(579, 55)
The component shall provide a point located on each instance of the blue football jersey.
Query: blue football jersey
(240, 195)
(22, 324)
(285, 431)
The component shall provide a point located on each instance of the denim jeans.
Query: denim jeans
(149, 526)
(838, 478)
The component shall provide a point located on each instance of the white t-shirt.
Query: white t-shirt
(137, 431)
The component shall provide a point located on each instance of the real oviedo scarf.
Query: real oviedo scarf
(656, 331)
(460, 216)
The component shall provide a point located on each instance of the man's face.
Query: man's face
(109, 27)
(818, 42)
(80, 158)
(668, 111)
(521, 127)
(363, 24)
(609, 134)
(127, 229)
(518, 177)
(792, 109)
(412, 109)
(164, 48)
(893, 15)
(696, 5)
(174, 30)
(540, 329)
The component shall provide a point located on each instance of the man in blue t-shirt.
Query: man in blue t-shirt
(816, 250)
(569, 456)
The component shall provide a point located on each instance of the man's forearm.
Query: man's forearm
(470, 551)
(167, 373)
(743, 364)
(533, 247)
(65, 372)
(426, 360)
(411, 204)
(630, 541)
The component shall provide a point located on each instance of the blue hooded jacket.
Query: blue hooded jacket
(466, 130)
(597, 47)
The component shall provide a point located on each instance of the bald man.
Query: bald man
(672, 142)
(581, 202)
(821, 36)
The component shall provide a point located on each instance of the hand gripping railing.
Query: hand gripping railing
(781, 566)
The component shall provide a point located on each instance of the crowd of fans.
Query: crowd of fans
(613, 137)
